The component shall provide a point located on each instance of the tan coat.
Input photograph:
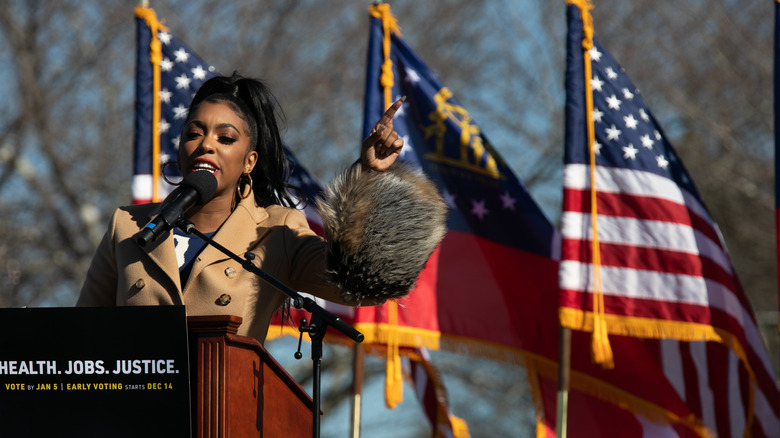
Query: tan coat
(123, 273)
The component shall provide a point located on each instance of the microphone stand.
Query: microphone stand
(321, 318)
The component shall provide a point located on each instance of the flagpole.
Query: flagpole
(155, 58)
(564, 372)
(357, 389)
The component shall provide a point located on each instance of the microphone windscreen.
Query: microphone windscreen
(204, 183)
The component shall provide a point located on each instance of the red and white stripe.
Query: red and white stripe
(662, 257)
(142, 188)
(711, 380)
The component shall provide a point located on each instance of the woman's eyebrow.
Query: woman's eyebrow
(200, 124)
(228, 125)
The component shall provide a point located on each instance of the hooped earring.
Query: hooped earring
(246, 189)
(165, 177)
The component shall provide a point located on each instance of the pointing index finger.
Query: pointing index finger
(390, 113)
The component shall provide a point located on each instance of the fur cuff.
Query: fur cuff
(380, 229)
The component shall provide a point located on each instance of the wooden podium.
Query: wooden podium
(238, 389)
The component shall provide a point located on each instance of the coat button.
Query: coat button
(140, 284)
(223, 300)
(230, 272)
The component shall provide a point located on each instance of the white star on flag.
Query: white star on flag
(596, 83)
(164, 37)
(180, 112)
(166, 64)
(508, 201)
(612, 133)
(662, 163)
(631, 122)
(647, 141)
(198, 73)
(478, 209)
(165, 95)
(629, 152)
(412, 76)
(594, 54)
(613, 102)
(181, 55)
(183, 82)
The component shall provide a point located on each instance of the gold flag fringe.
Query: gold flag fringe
(601, 350)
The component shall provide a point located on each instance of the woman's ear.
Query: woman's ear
(250, 161)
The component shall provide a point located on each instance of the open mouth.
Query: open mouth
(204, 165)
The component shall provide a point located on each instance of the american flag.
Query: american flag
(181, 73)
(664, 268)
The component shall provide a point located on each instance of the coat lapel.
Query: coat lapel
(162, 252)
(238, 234)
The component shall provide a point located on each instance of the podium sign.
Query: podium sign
(84, 372)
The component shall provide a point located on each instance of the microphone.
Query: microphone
(197, 188)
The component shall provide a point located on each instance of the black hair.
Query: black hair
(261, 111)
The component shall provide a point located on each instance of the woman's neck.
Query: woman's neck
(208, 218)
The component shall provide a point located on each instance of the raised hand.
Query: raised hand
(383, 145)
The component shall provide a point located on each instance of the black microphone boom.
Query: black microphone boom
(197, 188)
